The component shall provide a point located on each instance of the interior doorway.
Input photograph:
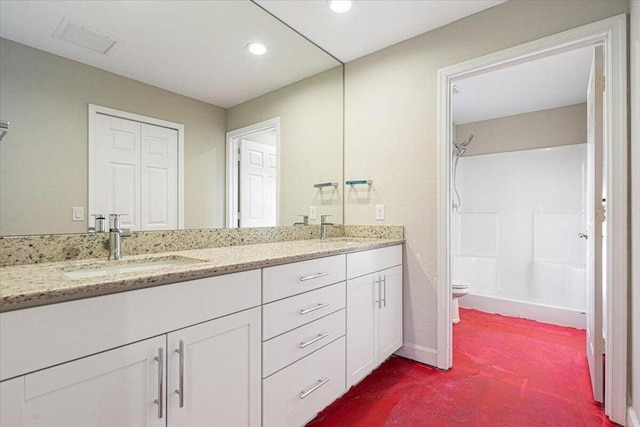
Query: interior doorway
(253, 169)
(610, 34)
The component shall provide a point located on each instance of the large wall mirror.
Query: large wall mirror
(160, 111)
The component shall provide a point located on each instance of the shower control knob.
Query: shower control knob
(583, 235)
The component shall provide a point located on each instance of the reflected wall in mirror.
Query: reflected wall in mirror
(194, 72)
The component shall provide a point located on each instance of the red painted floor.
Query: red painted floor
(506, 372)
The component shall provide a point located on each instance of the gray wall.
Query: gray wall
(390, 132)
(44, 156)
(311, 142)
(538, 129)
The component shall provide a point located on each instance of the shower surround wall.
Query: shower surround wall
(515, 236)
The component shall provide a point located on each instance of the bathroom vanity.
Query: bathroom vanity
(251, 335)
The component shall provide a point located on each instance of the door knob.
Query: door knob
(583, 235)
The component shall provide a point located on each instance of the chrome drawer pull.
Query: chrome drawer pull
(317, 307)
(316, 339)
(159, 401)
(304, 394)
(180, 390)
(384, 292)
(313, 276)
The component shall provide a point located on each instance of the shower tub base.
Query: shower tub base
(526, 310)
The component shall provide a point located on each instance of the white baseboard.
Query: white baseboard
(632, 417)
(426, 355)
(526, 310)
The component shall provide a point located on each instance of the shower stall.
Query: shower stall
(517, 232)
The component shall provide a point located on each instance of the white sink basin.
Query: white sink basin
(110, 268)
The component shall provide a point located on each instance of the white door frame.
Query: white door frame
(232, 187)
(612, 34)
(94, 110)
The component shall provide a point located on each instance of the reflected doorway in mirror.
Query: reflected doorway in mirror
(253, 170)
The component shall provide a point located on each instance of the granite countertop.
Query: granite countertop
(34, 285)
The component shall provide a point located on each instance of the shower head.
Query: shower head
(4, 128)
(463, 144)
(461, 147)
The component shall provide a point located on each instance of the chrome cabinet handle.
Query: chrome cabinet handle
(316, 339)
(384, 289)
(378, 282)
(180, 389)
(159, 401)
(304, 394)
(313, 276)
(317, 307)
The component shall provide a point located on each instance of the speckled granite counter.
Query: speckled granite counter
(24, 286)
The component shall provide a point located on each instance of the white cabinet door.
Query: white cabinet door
(362, 330)
(390, 317)
(114, 388)
(159, 190)
(220, 371)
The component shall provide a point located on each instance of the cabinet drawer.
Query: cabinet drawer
(285, 349)
(296, 394)
(366, 262)
(291, 279)
(282, 316)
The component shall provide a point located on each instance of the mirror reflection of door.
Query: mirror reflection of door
(257, 166)
(253, 175)
(133, 171)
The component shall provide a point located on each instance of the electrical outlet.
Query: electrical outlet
(379, 212)
(77, 214)
(312, 212)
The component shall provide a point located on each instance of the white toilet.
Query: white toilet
(459, 288)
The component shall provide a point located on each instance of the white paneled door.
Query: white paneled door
(595, 219)
(257, 184)
(159, 170)
(115, 167)
(134, 169)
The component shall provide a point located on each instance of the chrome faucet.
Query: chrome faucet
(323, 226)
(115, 235)
(305, 220)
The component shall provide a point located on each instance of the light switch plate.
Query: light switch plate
(379, 212)
(312, 212)
(77, 214)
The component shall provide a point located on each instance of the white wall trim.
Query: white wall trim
(426, 355)
(93, 110)
(632, 418)
(233, 137)
(611, 33)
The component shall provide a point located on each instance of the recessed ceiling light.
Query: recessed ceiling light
(340, 6)
(256, 48)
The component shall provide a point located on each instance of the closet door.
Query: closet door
(159, 190)
(115, 168)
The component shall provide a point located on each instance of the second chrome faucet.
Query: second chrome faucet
(323, 226)
(115, 235)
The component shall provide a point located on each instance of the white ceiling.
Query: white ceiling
(370, 25)
(194, 48)
(197, 48)
(551, 82)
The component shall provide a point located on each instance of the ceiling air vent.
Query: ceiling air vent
(82, 36)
